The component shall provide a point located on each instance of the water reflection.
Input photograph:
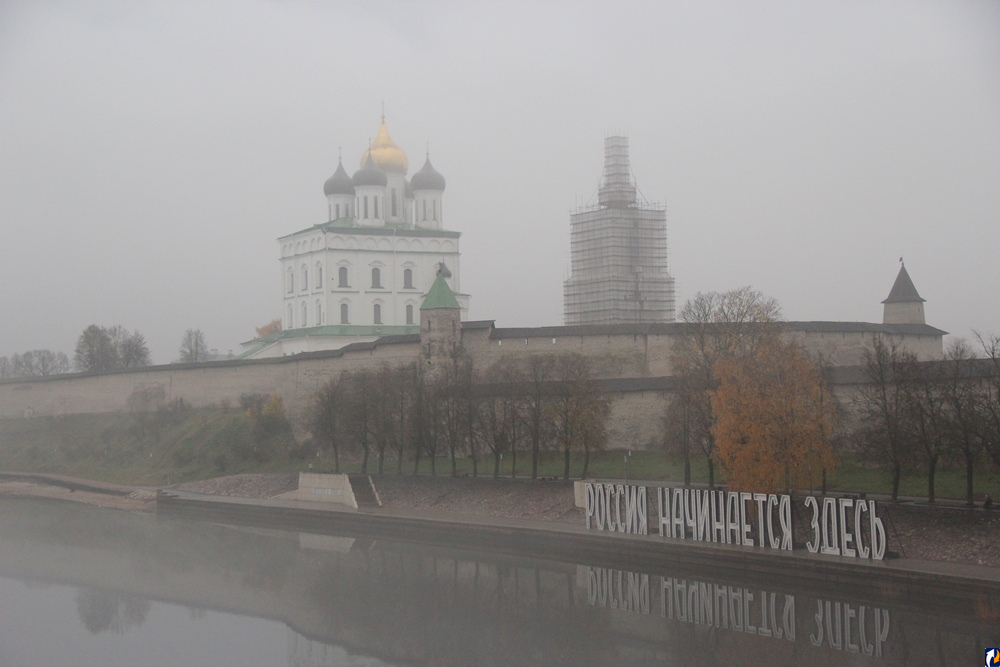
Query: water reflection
(107, 611)
(338, 600)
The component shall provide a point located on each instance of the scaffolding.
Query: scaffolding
(618, 253)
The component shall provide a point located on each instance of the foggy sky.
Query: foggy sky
(151, 153)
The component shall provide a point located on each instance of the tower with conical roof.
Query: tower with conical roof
(440, 321)
(618, 253)
(903, 305)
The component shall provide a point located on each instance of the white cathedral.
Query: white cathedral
(363, 273)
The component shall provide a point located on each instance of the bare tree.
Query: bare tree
(193, 348)
(966, 398)
(990, 426)
(110, 349)
(499, 411)
(325, 418)
(578, 409)
(538, 426)
(882, 406)
(36, 363)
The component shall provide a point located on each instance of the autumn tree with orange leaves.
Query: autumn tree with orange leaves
(773, 418)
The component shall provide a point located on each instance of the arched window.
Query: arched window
(435, 204)
(290, 324)
(305, 314)
(305, 278)
(376, 278)
(342, 277)
(425, 209)
(338, 212)
(409, 314)
(319, 312)
(407, 278)
(319, 276)
(394, 202)
(377, 313)
(343, 314)
(375, 203)
(291, 280)
(366, 207)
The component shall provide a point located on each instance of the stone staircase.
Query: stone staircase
(364, 491)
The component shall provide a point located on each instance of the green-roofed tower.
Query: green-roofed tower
(440, 322)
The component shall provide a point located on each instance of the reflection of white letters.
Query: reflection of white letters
(677, 514)
(813, 545)
(817, 638)
(849, 614)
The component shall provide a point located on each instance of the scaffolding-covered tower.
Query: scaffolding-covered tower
(618, 253)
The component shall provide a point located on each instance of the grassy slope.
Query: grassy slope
(168, 447)
(154, 449)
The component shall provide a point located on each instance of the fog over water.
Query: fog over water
(150, 153)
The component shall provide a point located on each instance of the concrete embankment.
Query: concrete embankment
(929, 586)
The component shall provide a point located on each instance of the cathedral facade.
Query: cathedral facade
(362, 274)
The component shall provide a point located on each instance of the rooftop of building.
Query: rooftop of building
(349, 225)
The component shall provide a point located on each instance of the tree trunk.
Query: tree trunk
(687, 468)
(513, 463)
(496, 463)
(566, 463)
(381, 457)
(711, 473)
(416, 459)
(586, 461)
(433, 465)
(364, 461)
(336, 459)
(824, 482)
(896, 474)
(970, 462)
(454, 464)
(399, 461)
(931, 471)
(535, 444)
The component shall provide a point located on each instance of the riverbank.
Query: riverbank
(918, 531)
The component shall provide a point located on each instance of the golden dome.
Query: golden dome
(386, 154)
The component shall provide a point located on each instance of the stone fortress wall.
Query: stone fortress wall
(632, 361)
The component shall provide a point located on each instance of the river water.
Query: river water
(84, 586)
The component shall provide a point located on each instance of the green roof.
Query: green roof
(349, 225)
(440, 296)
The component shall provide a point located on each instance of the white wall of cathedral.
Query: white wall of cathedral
(428, 211)
(331, 279)
(339, 206)
(395, 198)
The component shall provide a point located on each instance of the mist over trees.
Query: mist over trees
(34, 363)
(102, 349)
(193, 348)
(915, 415)
(394, 418)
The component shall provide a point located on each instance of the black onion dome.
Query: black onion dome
(369, 174)
(340, 183)
(428, 178)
